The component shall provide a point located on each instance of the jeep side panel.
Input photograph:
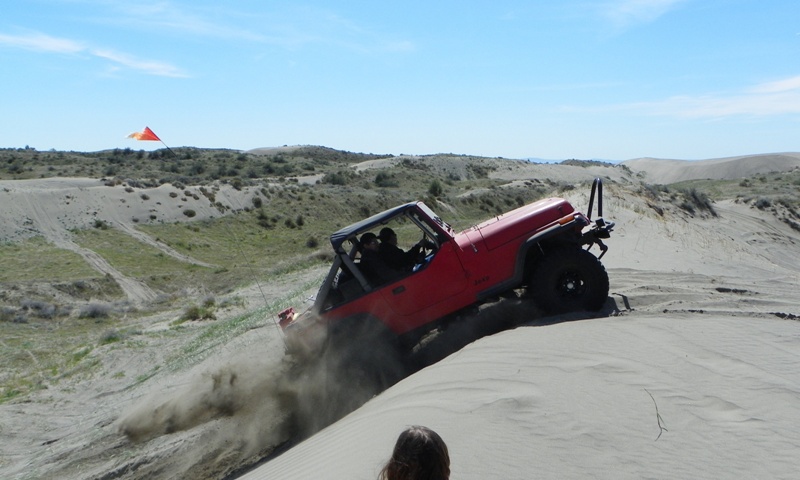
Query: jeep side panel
(434, 291)
(441, 278)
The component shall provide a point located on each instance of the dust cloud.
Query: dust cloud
(239, 406)
(234, 416)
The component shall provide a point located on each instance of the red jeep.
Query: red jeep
(538, 246)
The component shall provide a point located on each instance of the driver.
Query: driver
(374, 268)
(394, 256)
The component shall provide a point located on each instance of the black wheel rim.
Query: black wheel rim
(571, 284)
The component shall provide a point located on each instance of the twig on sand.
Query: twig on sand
(661, 427)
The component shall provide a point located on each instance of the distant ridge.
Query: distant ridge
(663, 171)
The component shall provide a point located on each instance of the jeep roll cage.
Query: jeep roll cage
(344, 262)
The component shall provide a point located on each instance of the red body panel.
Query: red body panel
(465, 265)
(523, 222)
(416, 299)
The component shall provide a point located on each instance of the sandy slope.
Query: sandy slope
(52, 207)
(573, 401)
(663, 171)
(707, 325)
(703, 316)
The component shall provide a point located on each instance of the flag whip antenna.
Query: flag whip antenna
(148, 135)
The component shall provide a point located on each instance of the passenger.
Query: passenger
(393, 255)
(419, 454)
(374, 268)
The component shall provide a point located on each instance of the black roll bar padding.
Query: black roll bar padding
(597, 186)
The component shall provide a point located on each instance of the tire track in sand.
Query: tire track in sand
(137, 292)
(148, 240)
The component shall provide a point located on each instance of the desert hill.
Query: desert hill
(688, 371)
(665, 171)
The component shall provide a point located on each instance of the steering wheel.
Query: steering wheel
(427, 247)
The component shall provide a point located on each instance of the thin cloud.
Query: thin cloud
(42, 43)
(149, 67)
(170, 18)
(39, 42)
(721, 107)
(780, 97)
(786, 85)
(320, 26)
(293, 28)
(626, 13)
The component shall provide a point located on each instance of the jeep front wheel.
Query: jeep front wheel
(569, 279)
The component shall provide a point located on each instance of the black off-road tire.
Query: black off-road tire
(569, 279)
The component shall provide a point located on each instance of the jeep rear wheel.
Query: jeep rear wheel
(569, 279)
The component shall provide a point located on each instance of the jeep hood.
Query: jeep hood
(525, 220)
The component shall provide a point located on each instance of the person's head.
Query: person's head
(419, 454)
(387, 235)
(369, 241)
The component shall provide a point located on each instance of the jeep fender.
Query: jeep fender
(566, 231)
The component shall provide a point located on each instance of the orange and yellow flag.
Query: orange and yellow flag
(145, 134)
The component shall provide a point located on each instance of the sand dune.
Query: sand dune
(53, 207)
(703, 331)
(690, 371)
(573, 401)
(664, 171)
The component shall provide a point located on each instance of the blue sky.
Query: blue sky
(608, 79)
